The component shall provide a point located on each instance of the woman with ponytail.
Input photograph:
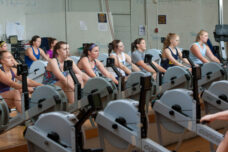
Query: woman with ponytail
(51, 42)
(91, 65)
(116, 51)
(170, 53)
(3, 47)
(10, 89)
(34, 52)
(138, 47)
(199, 50)
(55, 74)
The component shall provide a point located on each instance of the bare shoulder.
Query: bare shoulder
(194, 46)
(52, 61)
(167, 51)
(83, 60)
(28, 50)
(52, 64)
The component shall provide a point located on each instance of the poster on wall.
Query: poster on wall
(102, 27)
(102, 22)
(83, 26)
(161, 19)
(142, 30)
(102, 18)
(15, 28)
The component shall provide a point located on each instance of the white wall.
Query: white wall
(76, 37)
(185, 17)
(85, 5)
(15, 10)
(120, 10)
(180, 19)
(46, 25)
(53, 24)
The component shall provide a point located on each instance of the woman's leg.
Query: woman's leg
(135, 68)
(80, 79)
(69, 92)
(85, 78)
(223, 146)
(12, 98)
(17, 100)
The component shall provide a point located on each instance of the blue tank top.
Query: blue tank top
(28, 61)
(167, 63)
(4, 87)
(202, 51)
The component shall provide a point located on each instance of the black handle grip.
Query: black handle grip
(205, 122)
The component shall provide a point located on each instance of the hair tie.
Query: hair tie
(92, 46)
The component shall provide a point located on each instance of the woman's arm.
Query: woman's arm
(85, 66)
(211, 56)
(48, 55)
(133, 66)
(30, 82)
(43, 54)
(145, 66)
(120, 65)
(169, 56)
(217, 116)
(183, 59)
(76, 70)
(105, 72)
(196, 51)
(4, 79)
(160, 68)
(54, 68)
(29, 53)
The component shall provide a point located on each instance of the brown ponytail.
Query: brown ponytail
(34, 38)
(51, 41)
(167, 43)
(112, 46)
(86, 48)
(134, 44)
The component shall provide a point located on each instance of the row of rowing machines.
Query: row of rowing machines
(128, 117)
